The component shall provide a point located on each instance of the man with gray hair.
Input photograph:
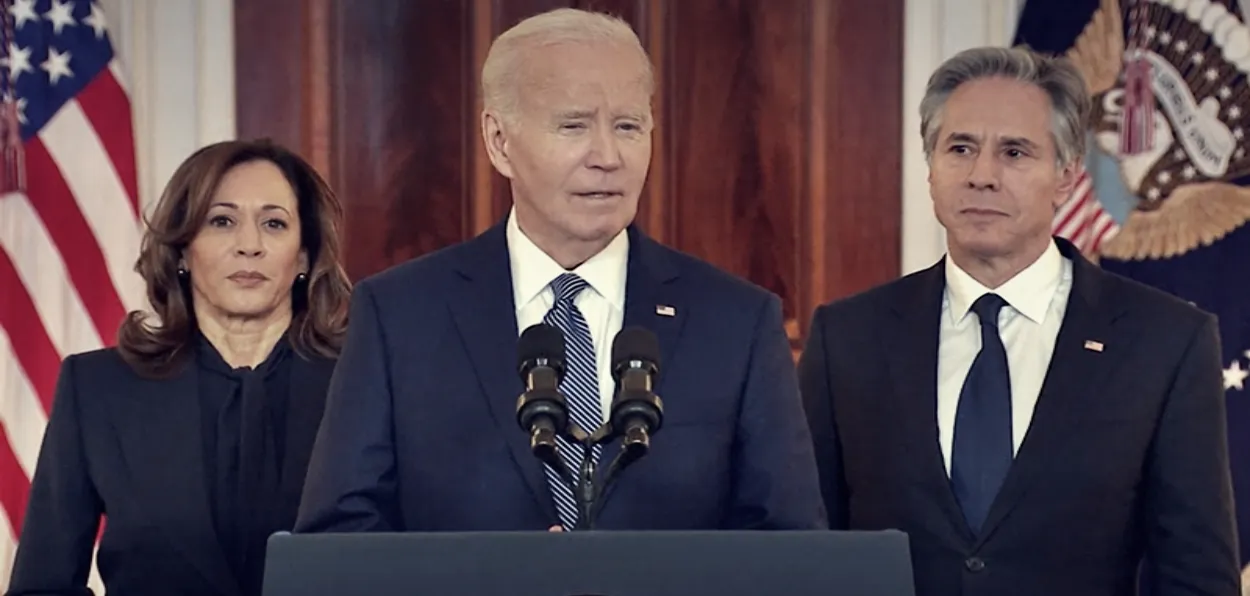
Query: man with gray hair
(1036, 425)
(421, 425)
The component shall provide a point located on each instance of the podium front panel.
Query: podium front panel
(602, 563)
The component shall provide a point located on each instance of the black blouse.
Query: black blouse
(243, 415)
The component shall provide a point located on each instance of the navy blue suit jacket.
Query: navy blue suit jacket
(420, 430)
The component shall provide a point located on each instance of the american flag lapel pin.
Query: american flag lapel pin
(1093, 346)
(665, 310)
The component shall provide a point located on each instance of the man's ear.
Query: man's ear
(496, 140)
(1068, 176)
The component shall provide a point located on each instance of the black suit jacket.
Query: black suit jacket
(1125, 456)
(129, 448)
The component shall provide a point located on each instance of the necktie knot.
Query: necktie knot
(568, 286)
(987, 307)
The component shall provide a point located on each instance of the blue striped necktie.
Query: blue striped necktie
(580, 386)
(982, 450)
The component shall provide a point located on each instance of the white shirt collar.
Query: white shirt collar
(1029, 292)
(533, 270)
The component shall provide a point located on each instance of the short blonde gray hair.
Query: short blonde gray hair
(1056, 76)
(502, 69)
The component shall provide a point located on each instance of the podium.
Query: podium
(594, 563)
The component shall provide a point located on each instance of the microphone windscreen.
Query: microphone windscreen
(636, 343)
(540, 341)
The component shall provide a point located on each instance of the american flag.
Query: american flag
(69, 220)
(1083, 220)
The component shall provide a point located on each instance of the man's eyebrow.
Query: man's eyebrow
(1020, 142)
(962, 137)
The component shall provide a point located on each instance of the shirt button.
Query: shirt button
(975, 564)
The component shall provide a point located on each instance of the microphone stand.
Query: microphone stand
(585, 490)
(631, 451)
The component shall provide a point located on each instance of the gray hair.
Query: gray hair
(1056, 76)
(502, 70)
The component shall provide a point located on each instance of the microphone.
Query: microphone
(637, 412)
(541, 410)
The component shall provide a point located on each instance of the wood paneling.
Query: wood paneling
(270, 69)
(852, 217)
(777, 148)
(733, 127)
(405, 118)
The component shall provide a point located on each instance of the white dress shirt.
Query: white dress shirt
(603, 303)
(1036, 301)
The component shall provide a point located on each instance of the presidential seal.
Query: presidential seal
(1171, 114)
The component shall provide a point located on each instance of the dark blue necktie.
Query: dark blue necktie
(982, 451)
(580, 385)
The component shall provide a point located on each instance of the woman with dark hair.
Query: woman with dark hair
(192, 436)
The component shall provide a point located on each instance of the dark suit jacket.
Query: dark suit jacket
(130, 448)
(420, 430)
(1125, 455)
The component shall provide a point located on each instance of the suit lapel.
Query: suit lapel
(1075, 372)
(652, 302)
(305, 406)
(485, 315)
(166, 463)
(914, 340)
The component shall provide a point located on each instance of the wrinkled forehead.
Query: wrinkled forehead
(994, 111)
(599, 77)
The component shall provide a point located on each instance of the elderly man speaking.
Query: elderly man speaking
(421, 429)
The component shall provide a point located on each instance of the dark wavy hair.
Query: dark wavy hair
(319, 305)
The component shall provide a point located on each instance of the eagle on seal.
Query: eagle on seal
(1171, 106)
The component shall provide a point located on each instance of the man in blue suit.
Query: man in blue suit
(420, 430)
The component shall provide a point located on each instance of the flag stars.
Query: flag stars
(1152, 194)
(1189, 172)
(96, 21)
(19, 106)
(1212, 74)
(1225, 92)
(57, 65)
(18, 62)
(1181, 45)
(1197, 58)
(1179, 154)
(60, 15)
(1235, 376)
(22, 11)
(1234, 112)
(1164, 177)
(1165, 38)
(1238, 133)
